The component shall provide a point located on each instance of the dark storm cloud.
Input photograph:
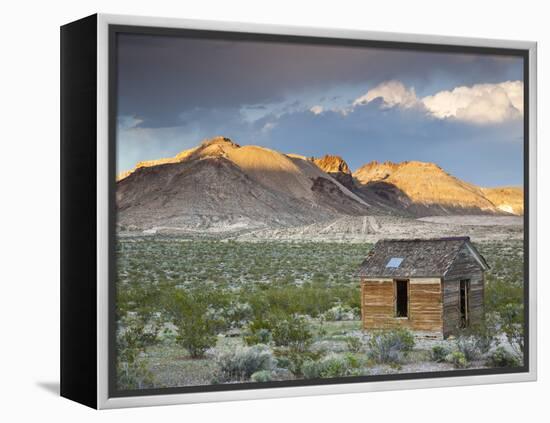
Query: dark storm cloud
(299, 98)
(161, 78)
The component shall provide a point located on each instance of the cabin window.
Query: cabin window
(464, 303)
(402, 298)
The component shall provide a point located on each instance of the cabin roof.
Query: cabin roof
(416, 257)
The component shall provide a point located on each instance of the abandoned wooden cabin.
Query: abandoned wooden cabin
(433, 286)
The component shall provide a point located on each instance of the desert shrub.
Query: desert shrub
(312, 299)
(485, 338)
(439, 353)
(281, 374)
(484, 335)
(134, 375)
(322, 330)
(241, 363)
(293, 332)
(236, 314)
(504, 300)
(325, 346)
(288, 331)
(142, 300)
(485, 342)
(284, 361)
(271, 375)
(354, 361)
(197, 326)
(312, 369)
(354, 343)
(476, 341)
(262, 376)
(390, 346)
(340, 312)
(469, 347)
(138, 325)
(294, 361)
(457, 359)
(260, 336)
(134, 334)
(258, 331)
(133, 337)
(511, 323)
(332, 366)
(501, 292)
(501, 357)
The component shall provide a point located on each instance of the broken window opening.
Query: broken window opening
(401, 298)
(464, 303)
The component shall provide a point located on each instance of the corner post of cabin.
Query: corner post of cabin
(363, 299)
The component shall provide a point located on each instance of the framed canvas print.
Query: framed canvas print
(254, 211)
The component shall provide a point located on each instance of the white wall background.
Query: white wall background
(29, 209)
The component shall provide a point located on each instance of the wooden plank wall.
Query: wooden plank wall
(464, 267)
(425, 305)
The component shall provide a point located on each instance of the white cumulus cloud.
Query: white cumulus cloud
(316, 110)
(514, 89)
(392, 93)
(480, 103)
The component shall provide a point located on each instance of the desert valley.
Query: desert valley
(238, 264)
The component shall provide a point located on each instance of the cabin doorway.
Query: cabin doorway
(464, 303)
(402, 298)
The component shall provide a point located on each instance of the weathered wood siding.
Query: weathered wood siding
(425, 305)
(465, 266)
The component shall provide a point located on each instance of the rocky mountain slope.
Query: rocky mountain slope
(424, 189)
(221, 186)
(336, 167)
(507, 199)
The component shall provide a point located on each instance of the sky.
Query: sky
(461, 111)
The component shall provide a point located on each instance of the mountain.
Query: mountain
(424, 189)
(220, 186)
(336, 167)
(507, 199)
